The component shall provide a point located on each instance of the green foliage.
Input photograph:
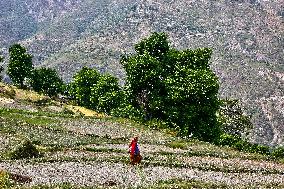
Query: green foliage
(46, 81)
(126, 110)
(242, 145)
(278, 152)
(25, 150)
(177, 87)
(20, 64)
(228, 140)
(156, 45)
(5, 181)
(80, 88)
(232, 118)
(261, 149)
(106, 94)
(96, 91)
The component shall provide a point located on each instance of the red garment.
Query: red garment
(133, 147)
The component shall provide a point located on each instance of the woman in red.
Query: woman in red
(134, 151)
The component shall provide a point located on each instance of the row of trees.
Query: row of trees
(162, 83)
(174, 86)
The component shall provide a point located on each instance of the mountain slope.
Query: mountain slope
(246, 36)
(91, 152)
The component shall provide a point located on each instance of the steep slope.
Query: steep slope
(246, 36)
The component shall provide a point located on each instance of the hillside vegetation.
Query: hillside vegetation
(74, 151)
(246, 38)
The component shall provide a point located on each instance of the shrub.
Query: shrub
(25, 150)
(242, 145)
(278, 152)
(261, 149)
(232, 118)
(228, 140)
(106, 94)
(80, 88)
(5, 180)
(127, 111)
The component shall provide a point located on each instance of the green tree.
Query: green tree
(20, 64)
(80, 88)
(106, 94)
(232, 118)
(174, 86)
(46, 81)
(100, 92)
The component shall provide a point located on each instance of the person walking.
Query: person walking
(135, 157)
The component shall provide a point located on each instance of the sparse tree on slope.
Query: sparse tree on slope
(46, 81)
(80, 88)
(106, 94)
(97, 91)
(174, 86)
(20, 64)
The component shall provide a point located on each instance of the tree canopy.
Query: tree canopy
(46, 81)
(174, 86)
(97, 91)
(20, 64)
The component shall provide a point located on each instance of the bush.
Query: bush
(242, 145)
(278, 152)
(261, 149)
(228, 140)
(25, 150)
(5, 180)
(106, 94)
(80, 88)
(127, 111)
(232, 118)
(46, 81)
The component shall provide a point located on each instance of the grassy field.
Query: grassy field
(78, 151)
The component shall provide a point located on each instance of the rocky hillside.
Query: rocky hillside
(246, 36)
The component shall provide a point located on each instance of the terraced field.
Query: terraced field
(91, 152)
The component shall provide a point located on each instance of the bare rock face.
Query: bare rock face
(273, 109)
(48, 9)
